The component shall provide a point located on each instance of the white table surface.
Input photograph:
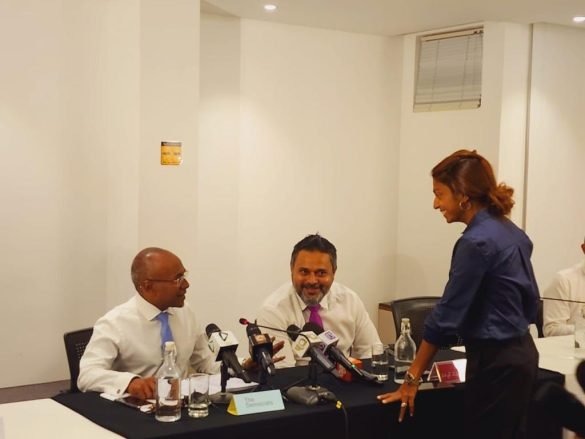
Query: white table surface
(47, 418)
(558, 354)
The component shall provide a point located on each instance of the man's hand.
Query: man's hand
(142, 388)
(250, 364)
(276, 349)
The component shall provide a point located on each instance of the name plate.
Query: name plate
(257, 402)
(448, 371)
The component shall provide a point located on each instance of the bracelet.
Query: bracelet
(410, 379)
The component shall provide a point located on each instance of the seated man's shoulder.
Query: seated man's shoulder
(574, 270)
(341, 292)
(280, 296)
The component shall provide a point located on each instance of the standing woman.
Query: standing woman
(489, 300)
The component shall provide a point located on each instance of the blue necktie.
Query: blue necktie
(165, 329)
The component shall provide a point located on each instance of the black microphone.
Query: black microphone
(329, 347)
(291, 334)
(224, 345)
(310, 345)
(261, 348)
(562, 300)
(581, 374)
(294, 332)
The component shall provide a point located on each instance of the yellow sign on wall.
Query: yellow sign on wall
(170, 153)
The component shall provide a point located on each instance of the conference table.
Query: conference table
(438, 414)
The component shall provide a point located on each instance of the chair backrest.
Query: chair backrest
(416, 309)
(540, 319)
(75, 343)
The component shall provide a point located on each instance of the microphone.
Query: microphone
(563, 300)
(312, 394)
(261, 348)
(309, 345)
(247, 322)
(581, 374)
(224, 345)
(294, 332)
(329, 347)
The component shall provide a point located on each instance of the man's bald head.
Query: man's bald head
(144, 262)
(160, 278)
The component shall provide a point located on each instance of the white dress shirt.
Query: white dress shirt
(126, 343)
(342, 312)
(559, 317)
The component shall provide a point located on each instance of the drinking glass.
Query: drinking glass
(198, 406)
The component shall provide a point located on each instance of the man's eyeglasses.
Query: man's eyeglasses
(178, 281)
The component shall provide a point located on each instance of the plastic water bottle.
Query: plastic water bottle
(404, 351)
(168, 387)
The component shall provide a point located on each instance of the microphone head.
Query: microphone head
(211, 328)
(244, 321)
(293, 329)
(252, 329)
(312, 327)
(581, 374)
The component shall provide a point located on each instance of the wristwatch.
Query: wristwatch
(410, 379)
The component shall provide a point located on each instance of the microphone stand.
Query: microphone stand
(262, 377)
(303, 393)
(223, 397)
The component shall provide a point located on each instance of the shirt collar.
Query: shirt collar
(479, 217)
(147, 309)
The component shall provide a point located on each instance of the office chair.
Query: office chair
(75, 343)
(416, 309)
(540, 319)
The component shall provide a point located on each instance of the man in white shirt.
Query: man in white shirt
(569, 284)
(339, 309)
(125, 349)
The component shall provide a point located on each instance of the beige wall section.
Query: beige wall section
(87, 91)
(425, 241)
(298, 134)
(556, 164)
(53, 197)
(299, 130)
(169, 93)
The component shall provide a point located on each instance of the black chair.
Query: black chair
(416, 309)
(540, 319)
(75, 343)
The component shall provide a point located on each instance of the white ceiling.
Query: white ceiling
(397, 17)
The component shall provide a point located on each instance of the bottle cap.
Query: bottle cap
(169, 346)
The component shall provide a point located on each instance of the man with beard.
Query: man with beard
(313, 296)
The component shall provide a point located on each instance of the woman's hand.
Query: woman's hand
(405, 394)
(407, 391)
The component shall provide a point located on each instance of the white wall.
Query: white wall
(298, 134)
(299, 130)
(556, 171)
(53, 194)
(87, 92)
(425, 241)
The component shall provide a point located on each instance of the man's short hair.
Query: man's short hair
(313, 243)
